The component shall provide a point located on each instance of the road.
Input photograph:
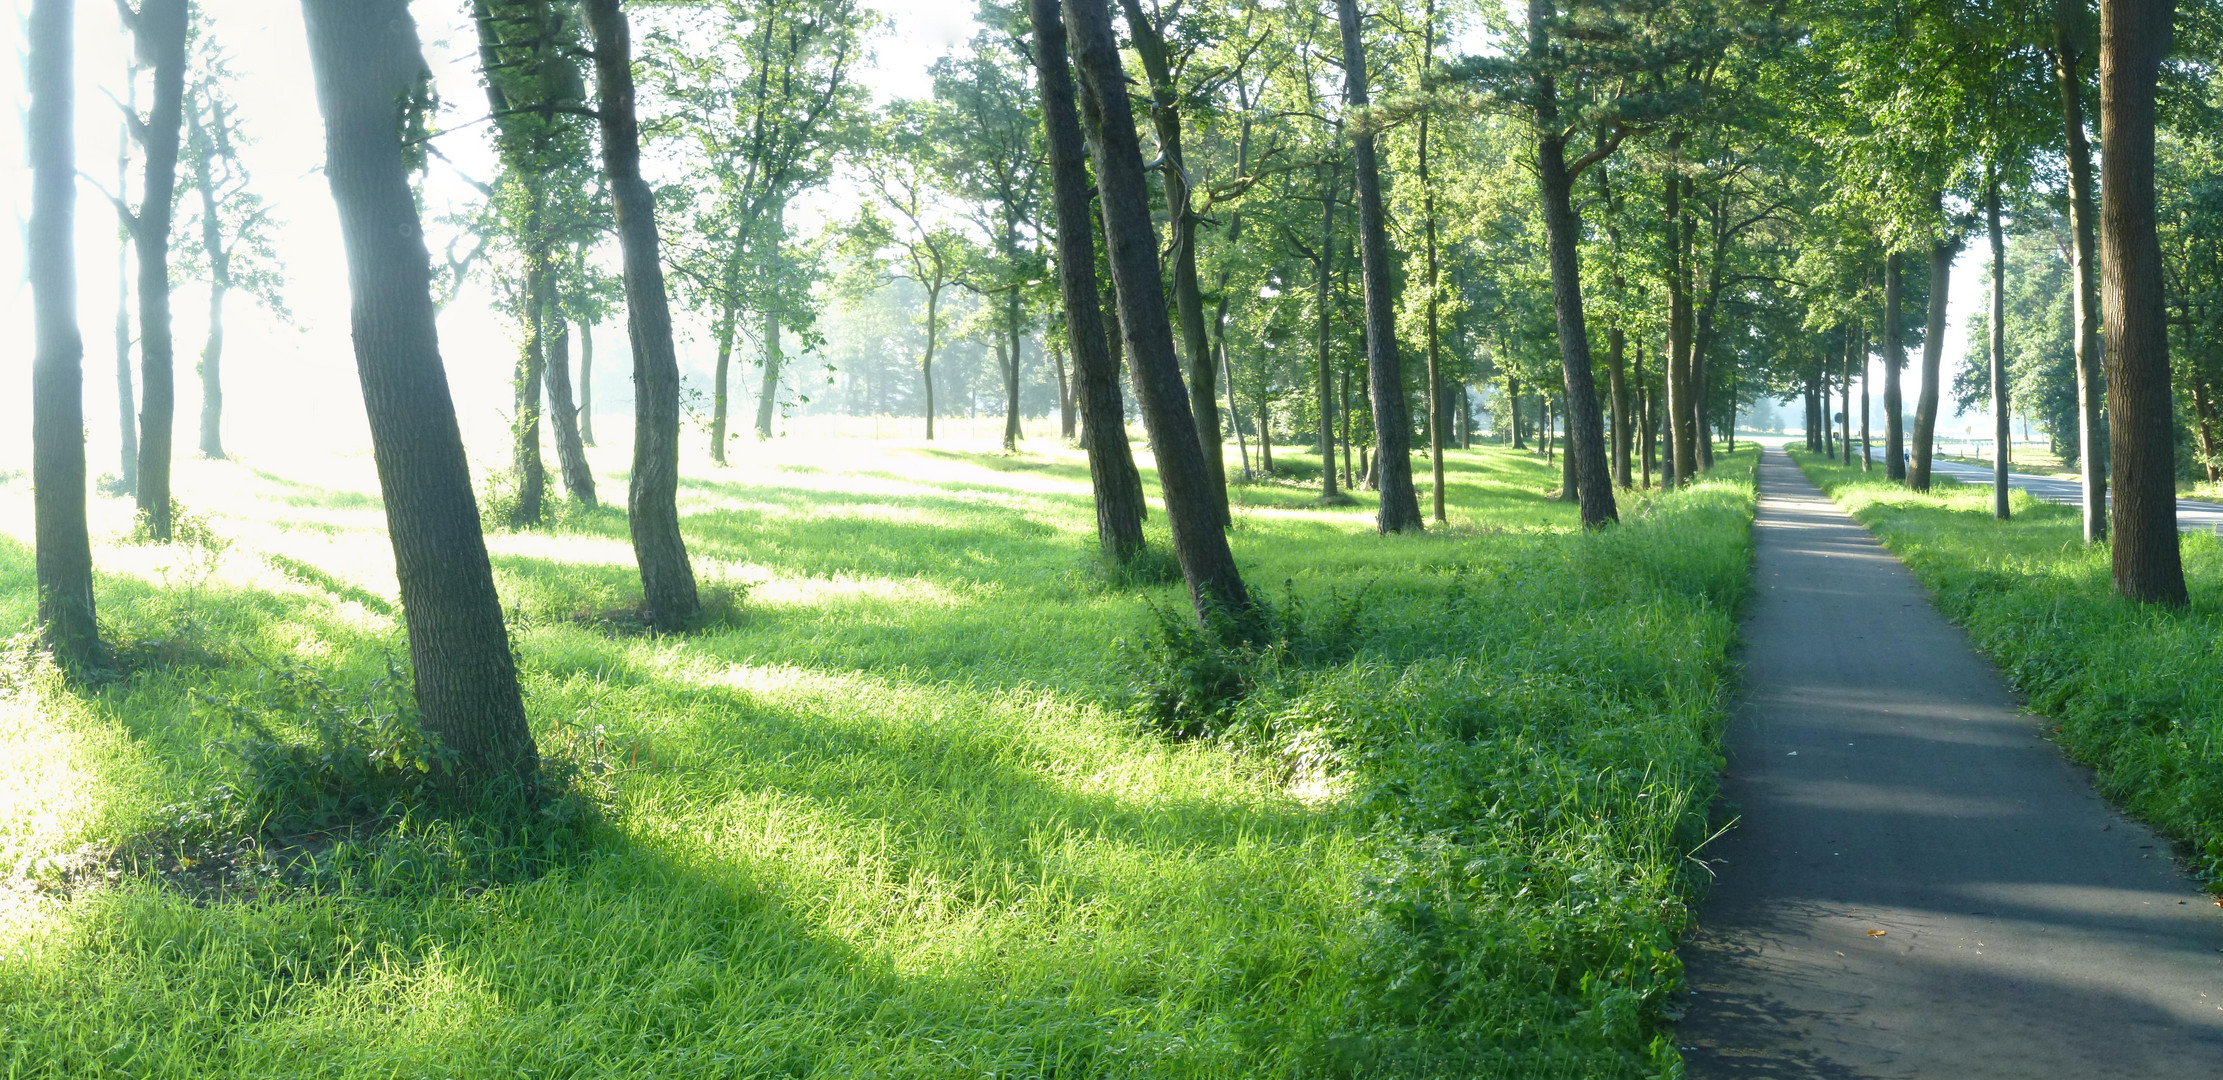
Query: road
(2191, 514)
(1920, 885)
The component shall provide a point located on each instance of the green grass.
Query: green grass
(892, 820)
(2132, 690)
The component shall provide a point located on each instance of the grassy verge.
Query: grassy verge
(2133, 691)
(894, 819)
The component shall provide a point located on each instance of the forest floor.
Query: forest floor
(895, 812)
(1921, 885)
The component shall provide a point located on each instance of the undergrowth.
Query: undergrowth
(2130, 689)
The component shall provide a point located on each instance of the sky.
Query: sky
(294, 385)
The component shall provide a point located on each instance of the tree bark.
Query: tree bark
(127, 413)
(721, 379)
(1188, 294)
(1894, 359)
(158, 30)
(64, 556)
(1012, 432)
(1111, 463)
(219, 286)
(571, 451)
(367, 61)
(1942, 255)
(2002, 436)
(1681, 413)
(586, 382)
(1585, 427)
(768, 395)
(2068, 52)
(2134, 39)
(1844, 403)
(1617, 386)
(1216, 589)
(1399, 509)
(532, 363)
(667, 581)
(1867, 447)
(926, 363)
(1323, 327)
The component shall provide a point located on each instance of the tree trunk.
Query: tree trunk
(1188, 294)
(571, 451)
(525, 460)
(64, 557)
(2068, 21)
(1681, 432)
(1644, 416)
(1216, 589)
(127, 413)
(586, 382)
(1435, 282)
(1844, 403)
(1867, 446)
(1323, 326)
(1068, 417)
(1933, 357)
(1585, 427)
(768, 395)
(2134, 39)
(366, 58)
(219, 285)
(729, 317)
(1894, 359)
(1012, 432)
(926, 363)
(652, 504)
(159, 32)
(1617, 386)
(1343, 412)
(1111, 463)
(1400, 507)
(1227, 371)
(2002, 437)
(1513, 410)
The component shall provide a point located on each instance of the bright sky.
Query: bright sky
(289, 387)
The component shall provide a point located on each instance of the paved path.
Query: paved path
(1920, 886)
(2191, 513)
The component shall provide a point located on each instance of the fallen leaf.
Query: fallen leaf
(1875, 933)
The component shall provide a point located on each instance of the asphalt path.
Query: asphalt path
(2191, 514)
(1919, 885)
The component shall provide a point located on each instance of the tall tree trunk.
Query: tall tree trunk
(366, 58)
(1188, 294)
(2202, 390)
(2134, 39)
(1585, 427)
(1867, 446)
(571, 451)
(2002, 437)
(64, 557)
(586, 382)
(1227, 372)
(127, 413)
(1681, 431)
(1894, 361)
(1068, 417)
(1111, 463)
(1513, 410)
(2068, 52)
(721, 378)
(1617, 387)
(1399, 509)
(1216, 589)
(1012, 432)
(1644, 421)
(219, 286)
(652, 504)
(1323, 327)
(158, 30)
(926, 362)
(1844, 402)
(532, 361)
(768, 396)
(1942, 255)
(1435, 280)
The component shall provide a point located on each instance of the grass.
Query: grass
(2132, 690)
(894, 818)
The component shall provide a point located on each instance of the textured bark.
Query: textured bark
(1682, 433)
(1188, 294)
(2002, 436)
(1010, 349)
(1111, 462)
(1435, 283)
(1617, 386)
(366, 57)
(1894, 361)
(1216, 589)
(127, 413)
(2068, 22)
(219, 287)
(1324, 303)
(652, 504)
(525, 461)
(1585, 427)
(586, 382)
(1399, 509)
(571, 452)
(721, 380)
(158, 31)
(2134, 38)
(64, 557)
(1942, 255)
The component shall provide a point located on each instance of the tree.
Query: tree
(64, 559)
(2134, 39)
(1400, 507)
(1111, 464)
(158, 29)
(374, 89)
(925, 249)
(237, 250)
(2071, 30)
(667, 581)
(1216, 589)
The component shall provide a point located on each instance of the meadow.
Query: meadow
(895, 812)
(2131, 690)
